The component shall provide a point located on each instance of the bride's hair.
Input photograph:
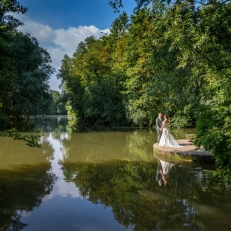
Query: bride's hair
(166, 116)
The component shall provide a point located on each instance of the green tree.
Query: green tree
(169, 56)
(58, 104)
(91, 87)
(31, 91)
(7, 70)
(24, 69)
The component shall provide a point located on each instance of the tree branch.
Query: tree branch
(218, 68)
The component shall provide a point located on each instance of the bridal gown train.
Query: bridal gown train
(167, 139)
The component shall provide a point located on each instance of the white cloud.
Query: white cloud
(56, 55)
(70, 38)
(63, 189)
(58, 42)
(42, 32)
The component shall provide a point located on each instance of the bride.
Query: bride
(167, 139)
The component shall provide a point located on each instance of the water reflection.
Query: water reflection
(109, 145)
(130, 189)
(49, 124)
(22, 190)
(14, 153)
(105, 181)
(25, 179)
(127, 187)
(162, 172)
(61, 187)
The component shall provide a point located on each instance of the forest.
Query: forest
(172, 57)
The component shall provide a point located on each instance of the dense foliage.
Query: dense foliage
(24, 69)
(169, 56)
(57, 104)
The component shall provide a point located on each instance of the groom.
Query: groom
(158, 126)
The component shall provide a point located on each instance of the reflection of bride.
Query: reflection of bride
(163, 170)
(166, 167)
(167, 139)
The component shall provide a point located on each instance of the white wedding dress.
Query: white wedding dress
(166, 167)
(167, 139)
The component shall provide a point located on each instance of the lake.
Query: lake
(104, 179)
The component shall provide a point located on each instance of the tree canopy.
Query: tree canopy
(168, 56)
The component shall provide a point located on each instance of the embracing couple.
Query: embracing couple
(164, 137)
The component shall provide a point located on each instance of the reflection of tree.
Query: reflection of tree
(24, 179)
(109, 145)
(49, 124)
(140, 143)
(95, 146)
(22, 189)
(131, 190)
(16, 152)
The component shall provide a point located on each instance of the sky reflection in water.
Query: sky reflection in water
(61, 187)
(104, 181)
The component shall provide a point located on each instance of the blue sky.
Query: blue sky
(59, 25)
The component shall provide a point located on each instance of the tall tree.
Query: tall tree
(25, 68)
(31, 91)
(7, 70)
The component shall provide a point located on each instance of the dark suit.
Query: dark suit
(158, 126)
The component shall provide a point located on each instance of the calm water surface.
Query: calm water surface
(104, 180)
